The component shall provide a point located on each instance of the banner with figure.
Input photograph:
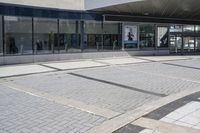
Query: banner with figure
(131, 36)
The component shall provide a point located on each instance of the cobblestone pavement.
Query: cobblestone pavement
(88, 91)
(23, 113)
(87, 95)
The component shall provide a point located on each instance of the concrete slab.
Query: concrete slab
(8, 71)
(164, 58)
(193, 64)
(121, 61)
(74, 65)
(163, 126)
(188, 115)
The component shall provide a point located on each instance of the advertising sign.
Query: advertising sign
(131, 35)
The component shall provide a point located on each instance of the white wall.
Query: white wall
(92, 4)
(61, 4)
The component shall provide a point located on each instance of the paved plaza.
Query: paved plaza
(157, 94)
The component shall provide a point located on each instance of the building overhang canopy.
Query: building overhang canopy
(181, 10)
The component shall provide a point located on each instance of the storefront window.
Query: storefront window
(93, 31)
(189, 44)
(162, 37)
(188, 28)
(111, 36)
(69, 39)
(147, 36)
(45, 35)
(18, 35)
(1, 37)
(175, 43)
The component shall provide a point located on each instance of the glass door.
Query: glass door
(175, 43)
(188, 44)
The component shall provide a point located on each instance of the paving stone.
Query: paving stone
(23, 113)
(90, 92)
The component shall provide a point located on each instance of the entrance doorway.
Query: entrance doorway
(176, 43)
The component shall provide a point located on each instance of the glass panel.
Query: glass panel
(45, 35)
(189, 44)
(93, 27)
(69, 39)
(175, 43)
(111, 28)
(197, 28)
(162, 37)
(176, 28)
(93, 31)
(188, 28)
(130, 36)
(1, 37)
(198, 44)
(147, 36)
(111, 36)
(18, 35)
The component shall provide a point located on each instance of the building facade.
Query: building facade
(48, 29)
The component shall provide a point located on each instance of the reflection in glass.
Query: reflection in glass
(69, 40)
(162, 37)
(197, 28)
(176, 28)
(147, 36)
(45, 35)
(188, 28)
(93, 30)
(189, 44)
(1, 37)
(111, 37)
(175, 43)
(18, 35)
(198, 44)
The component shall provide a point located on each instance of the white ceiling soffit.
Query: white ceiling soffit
(184, 9)
(94, 4)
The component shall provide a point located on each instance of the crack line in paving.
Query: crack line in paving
(107, 113)
(50, 67)
(119, 85)
(181, 66)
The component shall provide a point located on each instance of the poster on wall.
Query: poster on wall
(131, 36)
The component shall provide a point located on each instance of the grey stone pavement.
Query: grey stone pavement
(84, 95)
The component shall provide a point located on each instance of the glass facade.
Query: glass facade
(37, 35)
(18, 35)
(1, 37)
(45, 35)
(69, 37)
(147, 36)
